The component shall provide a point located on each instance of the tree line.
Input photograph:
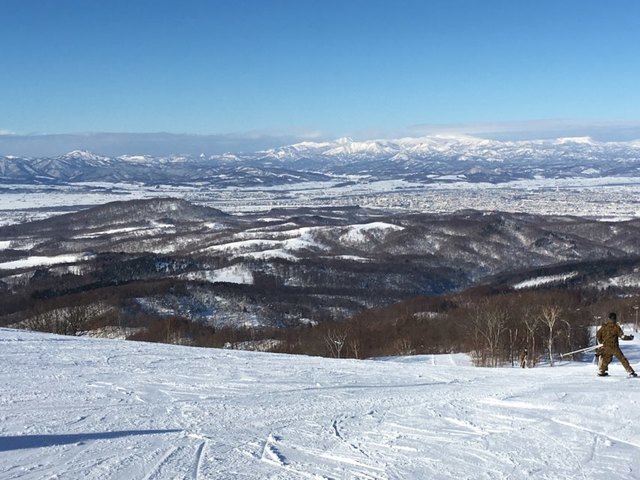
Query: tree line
(494, 327)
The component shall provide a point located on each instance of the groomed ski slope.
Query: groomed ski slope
(80, 408)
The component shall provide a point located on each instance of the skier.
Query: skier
(523, 358)
(608, 335)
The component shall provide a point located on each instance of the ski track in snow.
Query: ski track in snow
(96, 409)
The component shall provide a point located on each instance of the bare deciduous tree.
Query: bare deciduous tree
(354, 345)
(550, 315)
(64, 321)
(531, 323)
(403, 346)
(335, 340)
(513, 341)
(489, 325)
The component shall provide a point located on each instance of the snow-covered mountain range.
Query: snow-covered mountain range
(425, 159)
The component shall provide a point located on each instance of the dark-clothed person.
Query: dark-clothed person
(523, 358)
(608, 336)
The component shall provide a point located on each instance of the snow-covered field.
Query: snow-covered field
(607, 198)
(94, 409)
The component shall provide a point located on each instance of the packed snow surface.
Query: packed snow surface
(95, 409)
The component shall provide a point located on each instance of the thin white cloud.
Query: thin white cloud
(148, 143)
(6, 132)
(536, 129)
(308, 134)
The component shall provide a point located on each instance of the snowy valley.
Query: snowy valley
(566, 176)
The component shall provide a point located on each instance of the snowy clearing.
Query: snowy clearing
(628, 280)
(95, 409)
(358, 233)
(538, 281)
(234, 274)
(112, 231)
(36, 261)
(296, 241)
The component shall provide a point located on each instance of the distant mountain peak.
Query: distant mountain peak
(580, 140)
(82, 155)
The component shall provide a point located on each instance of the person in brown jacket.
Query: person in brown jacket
(608, 335)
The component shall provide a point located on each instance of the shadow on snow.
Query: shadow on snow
(20, 442)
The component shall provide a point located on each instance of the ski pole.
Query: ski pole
(586, 349)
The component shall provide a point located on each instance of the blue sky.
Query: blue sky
(315, 68)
